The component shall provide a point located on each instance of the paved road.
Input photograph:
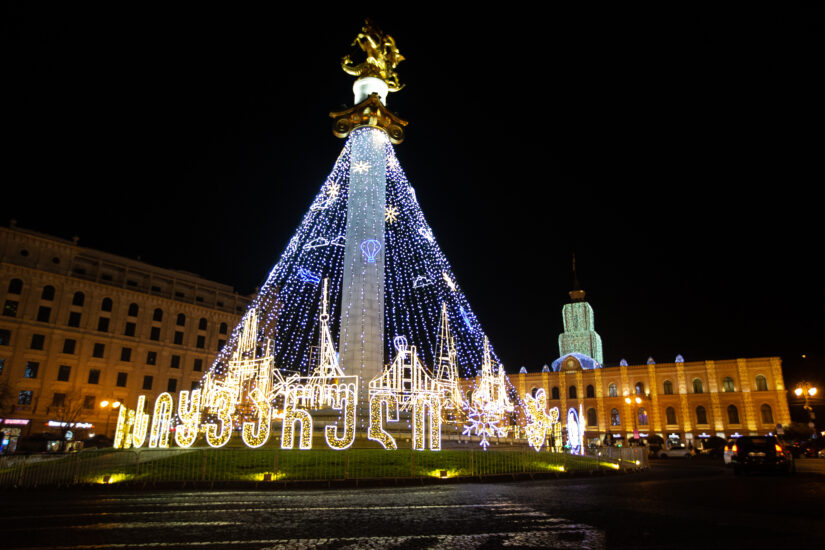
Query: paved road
(675, 505)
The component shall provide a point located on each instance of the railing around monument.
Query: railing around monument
(206, 465)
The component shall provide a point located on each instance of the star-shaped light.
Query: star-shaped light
(391, 214)
(361, 167)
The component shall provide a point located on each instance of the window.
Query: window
(201, 342)
(38, 340)
(98, 350)
(59, 400)
(571, 392)
(701, 415)
(221, 344)
(154, 334)
(2, 364)
(591, 417)
(727, 385)
(202, 324)
(121, 379)
(5, 337)
(612, 390)
(642, 417)
(126, 354)
(198, 366)
(767, 414)
(69, 346)
(554, 393)
(614, 418)
(151, 358)
(15, 286)
(178, 338)
(25, 397)
(172, 386)
(63, 373)
(733, 414)
(130, 329)
(181, 321)
(147, 382)
(48, 293)
(194, 385)
(31, 369)
(43, 314)
(103, 324)
(106, 304)
(590, 391)
(74, 319)
(157, 315)
(761, 383)
(10, 309)
(670, 415)
(78, 299)
(89, 402)
(133, 310)
(698, 388)
(175, 362)
(640, 388)
(94, 376)
(222, 328)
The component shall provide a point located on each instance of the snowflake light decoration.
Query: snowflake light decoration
(391, 214)
(361, 167)
(333, 189)
(483, 421)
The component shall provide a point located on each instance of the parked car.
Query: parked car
(677, 451)
(760, 453)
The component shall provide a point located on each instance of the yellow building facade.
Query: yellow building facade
(687, 400)
(81, 328)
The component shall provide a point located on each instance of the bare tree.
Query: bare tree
(66, 411)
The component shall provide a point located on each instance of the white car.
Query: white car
(679, 451)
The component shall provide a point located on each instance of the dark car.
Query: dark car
(760, 453)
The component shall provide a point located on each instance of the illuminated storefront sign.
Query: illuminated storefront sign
(78, 425)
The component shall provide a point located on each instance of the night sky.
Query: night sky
(676, 154)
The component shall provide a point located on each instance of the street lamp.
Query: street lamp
(111, 406)
(806, 390)
(638, 401)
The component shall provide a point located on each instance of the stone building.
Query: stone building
(679, 400)
(82, 329)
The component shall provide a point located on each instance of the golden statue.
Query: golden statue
(382, 56)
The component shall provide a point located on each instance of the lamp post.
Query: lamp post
(806, 390)
(111, 406)
(638, 401)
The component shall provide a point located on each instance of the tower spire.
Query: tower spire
(577, 294)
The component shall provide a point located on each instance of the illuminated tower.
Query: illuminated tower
(579, 334)
(370, 127)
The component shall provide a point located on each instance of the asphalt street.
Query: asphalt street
(676, 504)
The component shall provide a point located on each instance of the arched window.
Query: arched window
(78, 299)
(591, 417)
(469, 396)
(48, 293)
(202, 324)
(571, 392)
(701, 415)
(590, 391)
(612, 390)
(181, 320)
(614, 418)
(767, 414)
(133, 310)
(640, 388)
(15, 286)
(534, 391)
(733, 414)
(668, 387)
(727, 384)
(761, 383)
(106, 304)
(157, 315)
(642, 417)
(554, 393)
(222, 328)
(670, 415)
(697, 386)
